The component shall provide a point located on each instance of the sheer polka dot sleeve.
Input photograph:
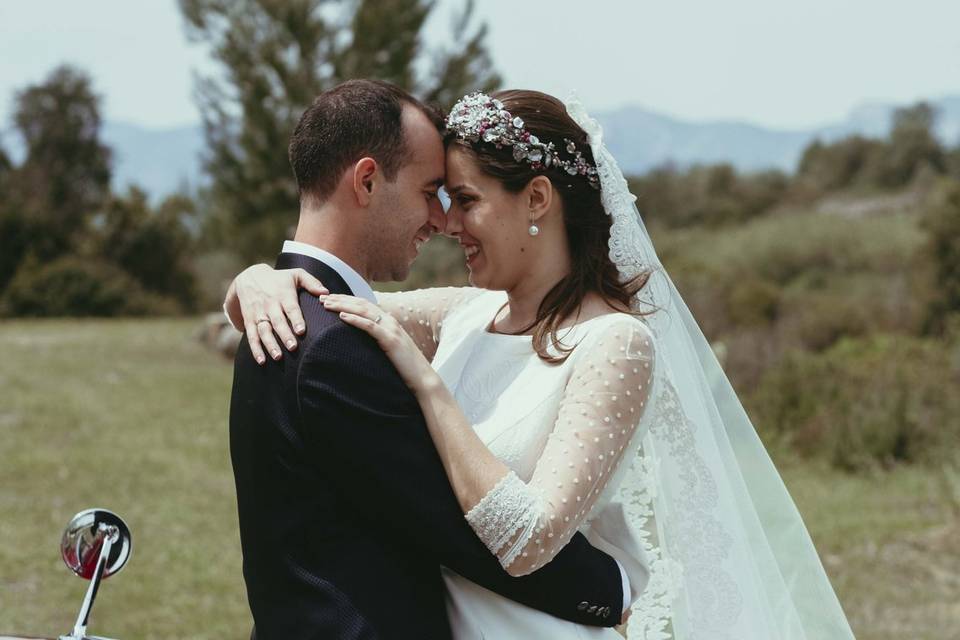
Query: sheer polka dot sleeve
(527, 523)
(421, 312)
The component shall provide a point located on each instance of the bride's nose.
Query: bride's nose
(454, 222)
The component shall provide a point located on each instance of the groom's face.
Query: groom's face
(408, 211)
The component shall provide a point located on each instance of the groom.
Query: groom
(345, 511)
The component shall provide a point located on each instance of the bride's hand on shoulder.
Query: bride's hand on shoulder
(262, 302)
(403, 352)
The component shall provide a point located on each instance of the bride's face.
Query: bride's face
(488, 221)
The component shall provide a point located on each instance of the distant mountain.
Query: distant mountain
(164, 160)
(641, 139)
(159, 160)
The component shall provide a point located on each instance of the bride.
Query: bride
(569, 389)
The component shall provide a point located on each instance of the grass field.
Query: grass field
(131, 415)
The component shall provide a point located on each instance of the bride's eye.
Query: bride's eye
(464, 201)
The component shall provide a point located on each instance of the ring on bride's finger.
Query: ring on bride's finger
(377, 319)
(263, 320)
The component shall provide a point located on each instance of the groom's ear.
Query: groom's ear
(539, 195)
(363, 180)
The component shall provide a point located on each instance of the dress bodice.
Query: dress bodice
(567, 432)
(507, 392)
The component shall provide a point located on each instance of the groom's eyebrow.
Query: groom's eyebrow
(436, 183)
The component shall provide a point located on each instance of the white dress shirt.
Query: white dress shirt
(359, 286)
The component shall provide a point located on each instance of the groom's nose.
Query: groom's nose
(437, 219)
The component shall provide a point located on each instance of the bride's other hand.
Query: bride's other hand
(261, 301)
(403, 352)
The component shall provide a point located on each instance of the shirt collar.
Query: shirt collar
(354, 280)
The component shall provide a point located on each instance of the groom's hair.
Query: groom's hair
(355, 119)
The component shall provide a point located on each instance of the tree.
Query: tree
(276, 57)
(5, 166)
(151, 245)
(11, 225)
(713, 195)
(65, 176)
(912, 145)
(828, 167)
(942, 222)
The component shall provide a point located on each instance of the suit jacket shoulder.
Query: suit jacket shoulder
(347, 362)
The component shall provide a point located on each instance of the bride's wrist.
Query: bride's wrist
(427, 383)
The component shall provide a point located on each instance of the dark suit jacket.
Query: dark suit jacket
(345, 510)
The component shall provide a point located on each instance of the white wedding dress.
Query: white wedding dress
(639, 441)
(562, 429)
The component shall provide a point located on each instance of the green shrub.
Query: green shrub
(74, 286)
(865, 402)
(753, 301)
(712, 195)
(151, 244)
(829, 167)
(793, 270)
(942, 224)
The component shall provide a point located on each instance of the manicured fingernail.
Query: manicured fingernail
(260, 359)
(276, 355)
(322, 297)
(291, 344)
(299, 328)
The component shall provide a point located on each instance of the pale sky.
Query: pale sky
(771, 62)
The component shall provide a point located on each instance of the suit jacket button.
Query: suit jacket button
(592, 609)
(583, 605)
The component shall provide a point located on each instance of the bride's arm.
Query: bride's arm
(261, 292)
(527, 523)
(421, 312)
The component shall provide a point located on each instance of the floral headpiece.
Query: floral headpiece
(479, 118)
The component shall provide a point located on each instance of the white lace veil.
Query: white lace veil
(730, 557)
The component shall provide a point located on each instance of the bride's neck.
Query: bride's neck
(523, 300)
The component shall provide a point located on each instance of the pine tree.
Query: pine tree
(276, 57)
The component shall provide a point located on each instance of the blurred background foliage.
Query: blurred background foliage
(832, 295)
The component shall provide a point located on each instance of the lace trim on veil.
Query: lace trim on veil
(651, 614)
(686, 565)
(698, 540)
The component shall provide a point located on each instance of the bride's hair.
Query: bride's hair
(587, 224)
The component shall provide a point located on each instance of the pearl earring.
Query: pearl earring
(534, 229)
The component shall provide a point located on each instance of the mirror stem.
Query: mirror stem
(108, 536)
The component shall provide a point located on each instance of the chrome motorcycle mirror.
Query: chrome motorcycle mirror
(96, 544)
